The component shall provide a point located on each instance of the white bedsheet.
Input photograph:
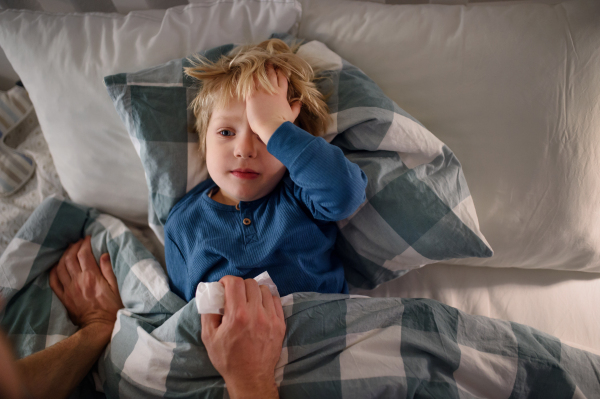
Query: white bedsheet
(560, 303)
(15, 210)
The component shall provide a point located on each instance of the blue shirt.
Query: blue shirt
(292, 230)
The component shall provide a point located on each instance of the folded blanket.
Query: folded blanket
(335, 345)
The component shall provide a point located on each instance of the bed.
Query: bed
(510, 87)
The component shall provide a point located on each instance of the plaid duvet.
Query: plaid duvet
(336, 346)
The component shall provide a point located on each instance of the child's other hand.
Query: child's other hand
(266, 112)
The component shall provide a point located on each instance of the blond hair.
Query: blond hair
(232, 75)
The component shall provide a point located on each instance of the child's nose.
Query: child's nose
(246, 146)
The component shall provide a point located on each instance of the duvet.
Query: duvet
(336, 345)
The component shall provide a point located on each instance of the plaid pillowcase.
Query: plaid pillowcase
(418, 210)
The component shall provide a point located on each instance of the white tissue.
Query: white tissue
(210, 297)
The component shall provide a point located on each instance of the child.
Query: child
(275, 190)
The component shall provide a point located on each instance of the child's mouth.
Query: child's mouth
(244, 175)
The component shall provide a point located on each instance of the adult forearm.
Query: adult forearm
(54, 372)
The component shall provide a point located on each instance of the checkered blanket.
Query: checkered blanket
(335, 345)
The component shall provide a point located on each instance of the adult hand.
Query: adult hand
(91, 296)
(245, 343)
(267, 111)
(90, 293)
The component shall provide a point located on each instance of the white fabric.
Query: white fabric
(8, 76)
(560, 303)
(15, 210)
(210, 297)
(63, 58)
(512, 89)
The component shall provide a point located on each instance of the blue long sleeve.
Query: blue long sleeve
(329, 184)
(177, 281)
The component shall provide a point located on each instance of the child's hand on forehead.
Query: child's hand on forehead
(265, 111)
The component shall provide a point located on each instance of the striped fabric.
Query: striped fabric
(418, 210)
(15, 167)
(336, 346)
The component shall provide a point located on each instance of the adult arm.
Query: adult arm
(245, 343)
(54, 372)
(91, 297)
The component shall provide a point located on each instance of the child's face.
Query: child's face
(231, 145)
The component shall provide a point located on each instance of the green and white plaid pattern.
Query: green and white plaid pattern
(336, 346)
(418, 210)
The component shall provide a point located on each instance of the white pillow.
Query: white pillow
(63, 58)
(513, 89)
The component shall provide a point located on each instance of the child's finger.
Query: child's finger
(282, 81)
(256, 85)
(272, 75)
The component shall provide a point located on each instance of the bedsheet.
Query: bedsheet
(558, 302)
(15, 209)
(335, 345)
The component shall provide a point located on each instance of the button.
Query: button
(237, 206)
(247, 221)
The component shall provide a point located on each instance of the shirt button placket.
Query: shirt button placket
(248, 226)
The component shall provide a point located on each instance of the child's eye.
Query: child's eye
(226, 135)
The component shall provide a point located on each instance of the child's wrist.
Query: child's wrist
(267, 131)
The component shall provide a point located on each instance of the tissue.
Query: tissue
(210, 297)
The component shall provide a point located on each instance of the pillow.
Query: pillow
(513, 89)
(418, 208)
(62, 59)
